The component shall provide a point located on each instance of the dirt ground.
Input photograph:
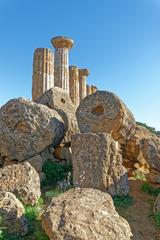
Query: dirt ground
(143, 226)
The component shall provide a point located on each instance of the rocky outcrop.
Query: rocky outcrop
(97, 163)
(12, 213)
(57, 99)
(22, 180)
(27, 128)
(151, 151)
(144, 148)
(104, 112)
(84, 214)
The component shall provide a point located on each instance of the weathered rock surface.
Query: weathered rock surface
(22, 180)
(157, 204)
(57, 99)
(97, 163)
(104, 112)
(36, 162)
(151, 151)
(144, 147)
(153, 176)
(63, 153)
(84, 214)
(27, 128)
(132, 147)
(12, 213)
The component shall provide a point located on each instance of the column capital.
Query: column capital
(62, 42)
(84, 72)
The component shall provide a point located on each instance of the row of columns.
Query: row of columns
(49, 71)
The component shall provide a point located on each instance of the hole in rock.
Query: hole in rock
(98, 110)
(62, 100)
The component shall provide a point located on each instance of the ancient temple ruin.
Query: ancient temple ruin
(52, 69)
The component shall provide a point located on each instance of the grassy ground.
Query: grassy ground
(136, 208)
(55, 173)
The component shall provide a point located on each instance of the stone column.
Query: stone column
(43, 71)
(88, 90)
(93, 89)
(61, 62)
(83, 73)
(74, 84)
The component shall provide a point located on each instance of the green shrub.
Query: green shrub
(157, 218)
(15, 236)
(138, 175)
(32, 213)
(123, 201)
(147, 188)
(55, 172)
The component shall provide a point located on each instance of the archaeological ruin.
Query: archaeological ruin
(51, 69)
(74, 163)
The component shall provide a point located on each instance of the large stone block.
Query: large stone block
(12, 213)
(22, 180)
(97, 163)
(144, 147)
(86, 214)
(27, 128)
(57, 99)
(105, 112)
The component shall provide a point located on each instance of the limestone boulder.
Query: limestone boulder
(144, 148)
(103, 111)
(57, 99)
(22, 180)
(153, 176)
(63, 153)
(85, 214)
(97, 163)
(27, 128)
(12, 213)
(36, 162)
(151, 151)
(133, 146)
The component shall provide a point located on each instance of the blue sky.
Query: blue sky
(118, 40)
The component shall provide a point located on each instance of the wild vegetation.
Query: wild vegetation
(54, 173)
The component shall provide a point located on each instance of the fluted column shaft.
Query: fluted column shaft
(83, 73)
(61, 69)
(61, 62)
(43, 72)
(74, 84)
(88, 90)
